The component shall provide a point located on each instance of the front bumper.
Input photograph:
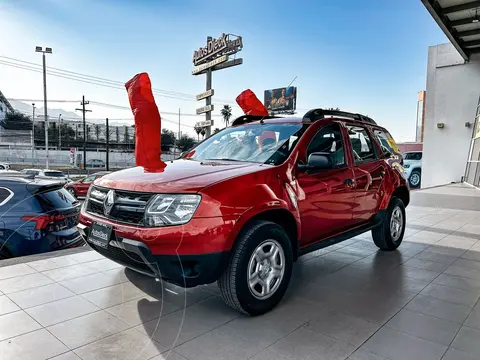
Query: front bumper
(187, 270)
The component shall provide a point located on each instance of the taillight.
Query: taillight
(47, 222)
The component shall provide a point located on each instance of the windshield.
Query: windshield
(259, 143)
(54, 173)
(413, 156)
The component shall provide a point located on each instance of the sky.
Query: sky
(366, 56)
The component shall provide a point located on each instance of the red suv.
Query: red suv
(80, 187)
(245, 203)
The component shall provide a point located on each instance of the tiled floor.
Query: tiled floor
(349, 301)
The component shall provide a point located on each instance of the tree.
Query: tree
(203, 132)
(185, 142)
(97, 132)
(167, 139)
(16, 121)
(126, 135)
(52, 133)
(216, 130)
(226, 113)
(117, 134)
(198, 130)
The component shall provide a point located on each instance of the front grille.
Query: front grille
(129, 206)
(124, 257)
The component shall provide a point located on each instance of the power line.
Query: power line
(29, 66)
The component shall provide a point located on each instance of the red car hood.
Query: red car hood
(177, 176)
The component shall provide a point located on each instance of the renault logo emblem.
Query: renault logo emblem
(109, 202)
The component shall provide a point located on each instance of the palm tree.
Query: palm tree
(226, 113)
(198, 130)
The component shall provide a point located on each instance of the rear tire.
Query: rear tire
(389, 235)
(415, 179)
(259, 270)
(5, 254)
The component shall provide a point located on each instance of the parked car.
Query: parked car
(80, 187)
(247, 202)
(36, 216)
(95, 163)
(412, 162)
(4, 166)
(47, 174)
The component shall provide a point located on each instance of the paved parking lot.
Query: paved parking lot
(348, 301)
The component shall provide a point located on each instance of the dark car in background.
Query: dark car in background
(36, 216)
(80, 188)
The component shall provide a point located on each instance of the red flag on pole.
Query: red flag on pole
(147, 123)
(250, 104)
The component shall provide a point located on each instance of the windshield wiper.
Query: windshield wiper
(225, 159)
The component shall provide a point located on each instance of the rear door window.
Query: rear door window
(362, 145)
(54, 173)
(56, 199)
(389, 146)
(5, 195)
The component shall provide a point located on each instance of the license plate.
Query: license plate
(100, 234)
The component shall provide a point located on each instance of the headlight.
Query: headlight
(406, 166)
(168, 209)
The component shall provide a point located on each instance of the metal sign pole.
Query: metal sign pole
(208, 100)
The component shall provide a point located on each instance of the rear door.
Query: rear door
(328, 197)
(369, 171)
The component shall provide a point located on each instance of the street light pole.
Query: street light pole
(46, 51)
(33, 133)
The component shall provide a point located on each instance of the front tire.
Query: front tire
(259, 270)
(389, 235)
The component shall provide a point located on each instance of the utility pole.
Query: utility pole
(179, 135)
(46, 51)
(33, 133)
(60, 132)
(83, 110)
(107, 138)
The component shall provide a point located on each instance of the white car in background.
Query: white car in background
(4, 166)
(47, 174)
(412, 163)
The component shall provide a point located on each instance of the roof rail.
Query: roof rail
(317, 114)
(249, 118)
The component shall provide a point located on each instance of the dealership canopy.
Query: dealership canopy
(460, 21)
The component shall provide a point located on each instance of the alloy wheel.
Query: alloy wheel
(396, 223)
(266, 269)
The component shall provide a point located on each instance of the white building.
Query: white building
(451, 145)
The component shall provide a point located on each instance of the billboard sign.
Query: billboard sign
(204, 109)
(281, 99)
(224, 45)
(205, 94)
(204, 123)
(200, 68)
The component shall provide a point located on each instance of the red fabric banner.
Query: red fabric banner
(147, 123)
(250, 104)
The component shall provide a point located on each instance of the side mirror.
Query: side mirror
(317, 161)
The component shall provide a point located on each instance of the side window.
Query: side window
(5, 195)
(89, 179)
(329, 140)
(389, 147)
(362, 144)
